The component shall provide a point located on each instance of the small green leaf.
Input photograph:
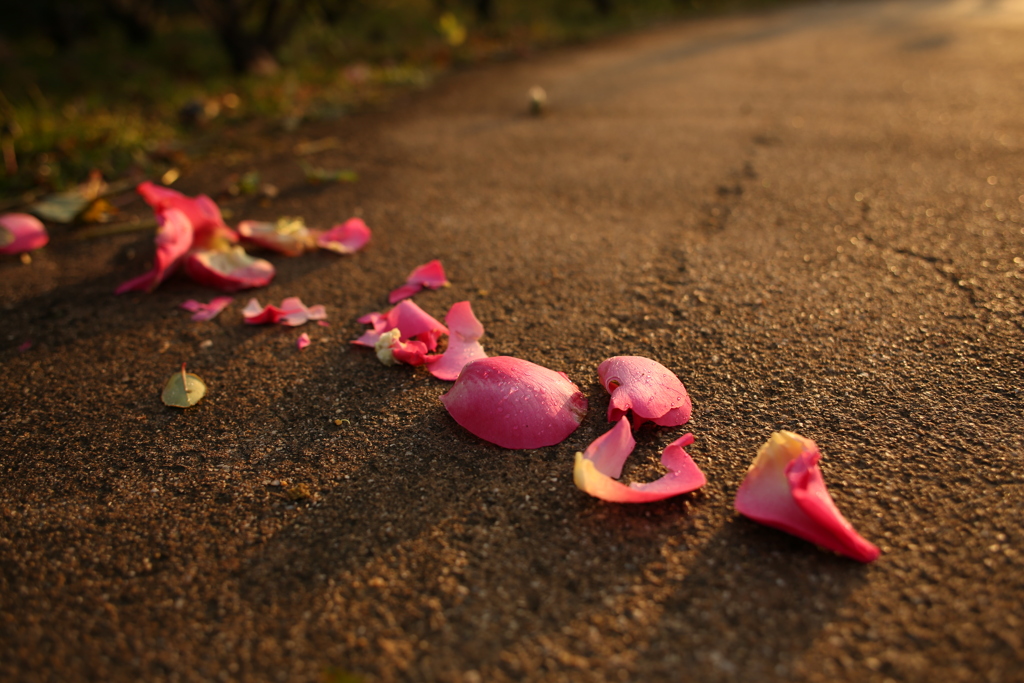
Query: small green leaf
(183, 389)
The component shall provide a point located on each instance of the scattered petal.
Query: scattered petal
(202, 211)
(392, 349)
(228, 269)
(647, 388)
(597, 468)
(303, 341)
(208, 311)
(411, 321)
(20, 232)
(784, 489)
(430, 274)
(173, 240)
(183, 389)
(25, 346)
(292, 312)
(345, 238)
(289, 236)
(323, 323)
(463, 347)
(515, 403)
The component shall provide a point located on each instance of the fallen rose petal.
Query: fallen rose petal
(25, 346)
(173, 240)
(515, 403)
(183, 389)
(288, 236)
(430, 275)
(229, 269)
(204, 312)
(323, 323)
(463, 347)
(20, 232)
(647, 388)
(345, 238)
(784, 489)
(411, 321)
(391, 349)
(202, 212)
(292, 312)
(303, 341)
(597, 468)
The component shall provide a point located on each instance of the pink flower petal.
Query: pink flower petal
(647, 388)
(346, 238)
(784, 489)
(323, 323)
(286, 236)
(208, 311)
(409, 319)
(430, 274)
(25, 346)
(463, 346)
(173, 240)
(229, 269)
(391, 349)
(292, 312)
(515, 403)
(202, 212)
(303, 341)
(597, 468)
(20, 232)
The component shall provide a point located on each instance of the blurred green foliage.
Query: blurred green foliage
(101, 92)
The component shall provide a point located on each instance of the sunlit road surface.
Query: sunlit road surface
(814, 217)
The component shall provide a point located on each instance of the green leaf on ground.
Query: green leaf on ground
(183, 389)
(315, 174)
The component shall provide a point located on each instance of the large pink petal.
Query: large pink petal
(784, 489)
(430, 275)
(515, 403)
(647, 388)
(228, 269)
(596, 469)
(202, 212)
(20, 232)
(346, 238)
(288, 237)
(204, 312)
(173, 240)
(463, 347)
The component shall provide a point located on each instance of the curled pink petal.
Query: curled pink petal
(391, 349)
(784, 489)
(229, 269)
(410, 320)
(173, 240)
(292, 312)
(323, 323)
(20, 232)
(597, 468)
(430, 275)
(346, 238)
(202, 212)
(647, 388)
(208, 311)
(515, 403)
(288, 236)
(463, 347)
(303, 341)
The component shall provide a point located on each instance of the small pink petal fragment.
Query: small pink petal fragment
(229, 269)
(303, 341)
(515, 403)
(204, 312)
(20, 232)
(597, 468)
(202, 212)
(391, 349)
(288, 236)
(410, 320)
(647, 388)
(784, 489)
(463, 346)
(323, 323)
(430, 275)
(346, 238)
(292, 312)
(173, 240)
(25, 346)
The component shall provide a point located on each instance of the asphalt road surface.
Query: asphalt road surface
(814, 217)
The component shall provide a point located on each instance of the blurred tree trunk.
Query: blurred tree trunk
(252, 31)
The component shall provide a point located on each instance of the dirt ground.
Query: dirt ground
(814, 217)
